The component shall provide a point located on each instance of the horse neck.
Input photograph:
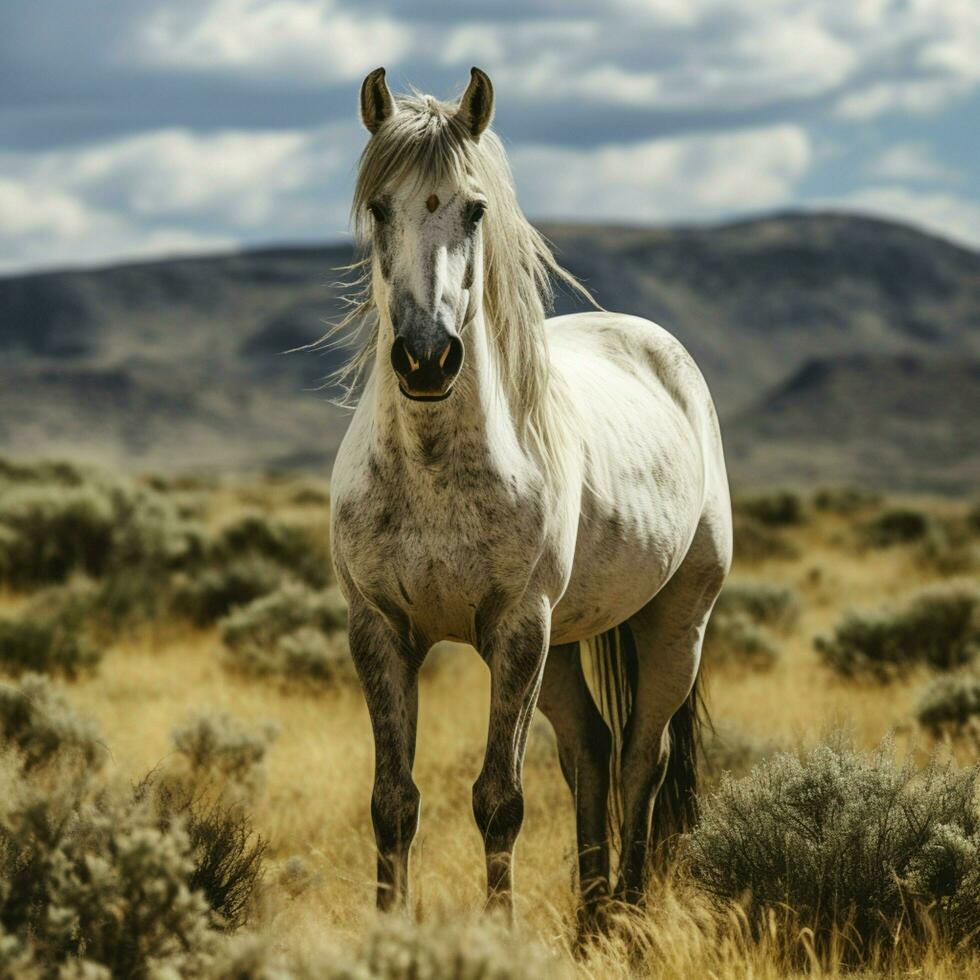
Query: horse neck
(475, 417)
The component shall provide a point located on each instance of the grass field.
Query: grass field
(308, 796)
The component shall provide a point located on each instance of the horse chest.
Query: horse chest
(436, 548)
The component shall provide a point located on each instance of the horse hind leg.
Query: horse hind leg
(584, 751)
(659, 761)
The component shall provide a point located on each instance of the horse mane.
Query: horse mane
(424, 142)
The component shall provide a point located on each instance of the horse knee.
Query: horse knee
(498, 807)
(395, 815)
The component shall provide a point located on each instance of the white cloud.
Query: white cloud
(869, 56)
(948, 215)
(662, 180)
(910, 161)
(919, 96)
(308, 40)
(51, 228)
(168, 190)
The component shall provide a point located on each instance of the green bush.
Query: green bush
(845, 500)
(128, 538)
(401, 949)
(950, 704)
(900, 525)
(37, 721)
(938, 627)
(49, 636)
(763, 602)
(227, 856)
(735, 638)
(294, 633)
(848, 845)
(756, 542)
(780, 509)
(731, 752)
(92, 877)
(53, 531)
(14, 472)
(294, 547)
(206, 596)
(218, 744)
(99, 880)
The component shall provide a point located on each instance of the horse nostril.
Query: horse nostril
(451, 359)
(401, 360)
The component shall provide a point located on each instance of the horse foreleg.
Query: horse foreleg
(388, 671)
(515, 653)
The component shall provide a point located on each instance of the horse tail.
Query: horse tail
(675, 810)
(609, 665)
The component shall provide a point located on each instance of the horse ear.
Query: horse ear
(476, 106)
(377, 105)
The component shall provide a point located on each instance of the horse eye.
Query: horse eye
(378, 212)
(477, 210)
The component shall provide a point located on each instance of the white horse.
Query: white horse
(552, 492)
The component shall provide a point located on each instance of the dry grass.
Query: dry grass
(313, 801)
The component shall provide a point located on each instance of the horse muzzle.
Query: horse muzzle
(427, 372)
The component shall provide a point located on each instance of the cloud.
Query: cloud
(911, 161)
(662, 180)
(52, 228)
(157, 192)
(308, 40)
(919, 96)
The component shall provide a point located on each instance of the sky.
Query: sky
(132, 129)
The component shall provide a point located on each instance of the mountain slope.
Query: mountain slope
(178, 363)
(902, 421)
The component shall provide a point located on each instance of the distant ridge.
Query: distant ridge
(804, 324)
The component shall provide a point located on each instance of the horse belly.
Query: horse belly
(630, 542)
(609, 584)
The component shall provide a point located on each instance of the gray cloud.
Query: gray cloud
(234, 120)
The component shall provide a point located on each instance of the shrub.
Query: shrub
(846, 843)
(286, 633)
(780, 509)
(53, 531)
(292, 546)
(899, 525)
(403, 950)
(92, 879)
(755, 541)
(305, 654)
(49, 636)
(734, 638)
(845, 500)
(37, 721)
(219, 744)
(939, 627)
(208, 595)
(731, 752)
(40, 471)
(130, 539)
(103, 880)
(762, 602)
(950, 704)
(227, 856)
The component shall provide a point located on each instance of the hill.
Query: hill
(798, 322)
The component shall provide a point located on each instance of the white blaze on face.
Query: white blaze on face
(429, 248)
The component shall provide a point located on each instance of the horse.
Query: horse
(551, 491)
